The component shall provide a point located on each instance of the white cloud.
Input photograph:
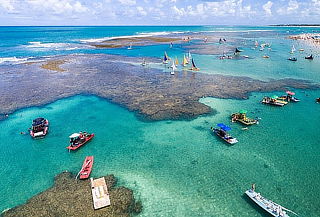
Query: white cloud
(267, 8)
(58, 6)
(141, 11)
(128, 2)
(7, 5)
(291, 8)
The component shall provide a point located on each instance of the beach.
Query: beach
(152, 128)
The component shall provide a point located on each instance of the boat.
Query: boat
(79, 139)
(194, 68)
(241, 117)
(273, 101)
(256, 44)
(86, 168)
(293, 49)
(301, 49)
(130, 46)
(309, 57)
(189, 58)
(292, 59)
(269, 206)
(266, 56)
(185, 61)
(39, 128)
(100, 194)
(166, 58)
(289, 97)
(318, 100)
(144, 63)
(173, 67)
(238, 51)
(222, 133)
(176, 62)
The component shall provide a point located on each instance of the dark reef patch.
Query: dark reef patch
(70, 197)
(151, 93)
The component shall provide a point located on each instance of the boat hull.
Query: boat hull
(72, 148)
(40, 134)
(265, 204)
(86, 168)
(229, 140)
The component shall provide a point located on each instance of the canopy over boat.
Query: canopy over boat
(274, 97)
(38, 121)
(243, 111)
(290, 93)
(224, 127)
(74, 135)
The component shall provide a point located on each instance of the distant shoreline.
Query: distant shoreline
(296, 25)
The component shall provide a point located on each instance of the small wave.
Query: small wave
(12, 60)
(54, 46)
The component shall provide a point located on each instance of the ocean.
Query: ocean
(175, 167)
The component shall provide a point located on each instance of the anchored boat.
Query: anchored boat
(241, 117)
(318, 100)
(289, 97)
(222, 133)
(40, 127)
(86, 168)
(309, 57)
(273, 101)
(269, 206)
(79, 139)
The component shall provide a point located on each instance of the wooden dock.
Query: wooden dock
(100, 194)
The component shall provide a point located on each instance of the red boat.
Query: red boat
(79, 139)
(39, 128)
(86, 167)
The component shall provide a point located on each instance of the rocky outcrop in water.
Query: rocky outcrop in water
(70, 197)
(151, 93)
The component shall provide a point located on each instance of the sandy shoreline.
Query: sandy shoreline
(150, 93)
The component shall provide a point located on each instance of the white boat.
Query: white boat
(269, 206)
(173, 67)
(293, 49)
(130, 47)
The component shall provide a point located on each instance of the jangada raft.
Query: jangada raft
(273, 101)
(79, 139)
(289, 97)
(269, 206)
(86, 168)
(241, 117)
(222, 133)
(40, 127)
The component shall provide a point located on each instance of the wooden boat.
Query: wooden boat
(39, 128)
(79, 139)
(166, 58)
(86, 168)
(266, 56)
(222, 133)
(242, 118)
(293, 59)
(289, 97)
(194, 68)
(269, 206)
(309, 57)
(273, 101)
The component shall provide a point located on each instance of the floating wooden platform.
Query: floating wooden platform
(100, 194)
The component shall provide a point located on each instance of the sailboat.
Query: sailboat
(194, 68)
(189, 57)
(184, 61)
(176, 62)
(293, 49)
(130, 47)
(166, 58)
(256, 44)
(144, 63)
(173, 67)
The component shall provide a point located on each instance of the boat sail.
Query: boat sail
(166, 58)
(176, 62)
(189, 57)
(130, 47)
(194, 67)
(256, 44)
(184, 61)
(173, 67)
(293, 49)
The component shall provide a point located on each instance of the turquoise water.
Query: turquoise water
(177, 168)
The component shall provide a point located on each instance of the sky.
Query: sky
(158, 12)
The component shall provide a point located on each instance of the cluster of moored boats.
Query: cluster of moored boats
(40, 128)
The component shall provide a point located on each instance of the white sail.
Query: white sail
(293, 49)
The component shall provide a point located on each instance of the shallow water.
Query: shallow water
(177, 168)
